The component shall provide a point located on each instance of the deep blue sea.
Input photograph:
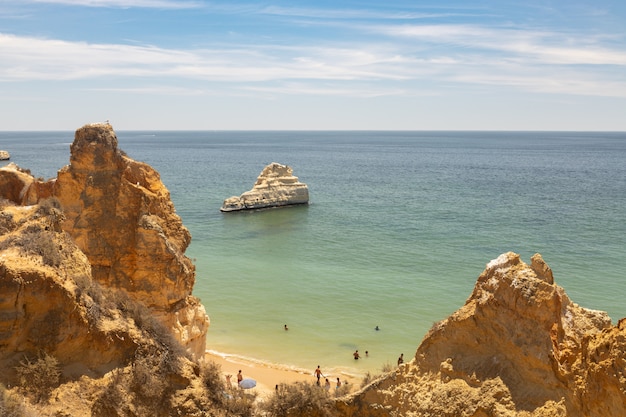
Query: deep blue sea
(399, 226)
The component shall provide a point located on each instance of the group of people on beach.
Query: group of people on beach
(318, 374)
(239, 379)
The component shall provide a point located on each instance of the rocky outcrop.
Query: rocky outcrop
(518, 347)
(276, 186)
(48, 299)
(4, 156)
(119, 215)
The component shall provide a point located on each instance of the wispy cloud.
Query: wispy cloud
(159, 4)
(44, 59)
(463, 55)
(547, 47)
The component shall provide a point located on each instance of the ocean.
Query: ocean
(399, 226)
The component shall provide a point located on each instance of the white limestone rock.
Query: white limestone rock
(276, 186)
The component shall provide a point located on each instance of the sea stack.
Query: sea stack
(4, 156)
(276, 186)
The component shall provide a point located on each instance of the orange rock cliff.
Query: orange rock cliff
(518, 347)
(115, 225)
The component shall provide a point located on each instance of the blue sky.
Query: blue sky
(400, 65)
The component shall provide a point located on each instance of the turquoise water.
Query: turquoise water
(399, 227)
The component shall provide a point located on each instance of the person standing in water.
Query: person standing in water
(318, 374)
(356, 355)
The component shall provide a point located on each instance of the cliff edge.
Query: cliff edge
(276, 186)
(518, 347)
(120, 217)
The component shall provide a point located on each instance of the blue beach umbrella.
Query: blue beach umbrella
(247, 383)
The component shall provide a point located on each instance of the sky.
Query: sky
(313, 65)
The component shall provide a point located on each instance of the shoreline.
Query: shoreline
(269, 375)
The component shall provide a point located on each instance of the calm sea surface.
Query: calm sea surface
(399, 227)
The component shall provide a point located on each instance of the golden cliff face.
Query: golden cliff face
(518, 347)
(119, 215)
(48, 301)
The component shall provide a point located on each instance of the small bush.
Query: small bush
(386, 368)
(299, 399)
(110, 400)
(6, 222)
(369, 377)
(241, 406)
(49, 207)
(36, 241)
(149, 379)
(211, 374)
(38, 378)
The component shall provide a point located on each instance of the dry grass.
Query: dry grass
(299, 399)
(37, 378)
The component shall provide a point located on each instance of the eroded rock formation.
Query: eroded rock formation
(119, 216)
(518, 347)
(48, 300)
(4, 156)
(276, 186)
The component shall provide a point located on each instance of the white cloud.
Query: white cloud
(543, 46)
(28, 58)
(451, 55)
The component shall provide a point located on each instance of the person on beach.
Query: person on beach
(401, 359)
(327, 385)
(356, 355)
(239, 377)
(228, 382)
(318, 374)
(338, 383)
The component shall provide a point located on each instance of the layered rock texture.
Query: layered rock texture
(518, 347)
(276, 186)
(4, 155)
(106, 223)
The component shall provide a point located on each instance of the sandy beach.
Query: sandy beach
(268, 376)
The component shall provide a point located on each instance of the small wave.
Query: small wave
(247, 360)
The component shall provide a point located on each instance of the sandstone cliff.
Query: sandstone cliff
(276, 186)
(97, 315)
(119, 215)
(518, 347)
